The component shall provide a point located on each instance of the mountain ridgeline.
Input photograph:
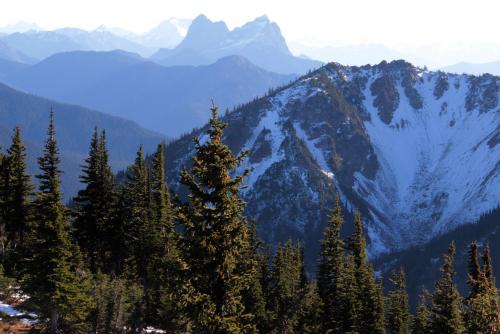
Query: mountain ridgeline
(169, 100)
(260, 41)
(31, 112)
(416, 151)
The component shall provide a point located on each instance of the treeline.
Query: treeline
(130, 255)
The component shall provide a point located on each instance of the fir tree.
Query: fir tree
(331, 273)
(446, 314)
(254, 298)
(55, 278)
(216, 236)
(397, 309)
(17, 204)
(136, 203)
(481, 306)
(370, 318)
(288, 288)
(310, 314)
(422, 314)
(4, 199)
(166, 266)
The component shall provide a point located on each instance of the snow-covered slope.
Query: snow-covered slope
(417, 152)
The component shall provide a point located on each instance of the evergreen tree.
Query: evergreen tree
(55, 278)
(4, 199)
(138, 221)
(352, 305)
(254, 298)
(311, 311)
(446, 314)
(95, 211)
(165, 298)
(216, 236)
(398, 310)
(481, 306)
(331, 273)
(370, 318)
(422, 314)
(17, 205)
(287, 289)
(474, 278)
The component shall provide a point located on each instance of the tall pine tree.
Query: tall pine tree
(55, 279)
(370, 318)
(331, 275)
(95, 205)
(446, 313)
(481, 305)
(398, 314)
(216, 236)
(18, 202)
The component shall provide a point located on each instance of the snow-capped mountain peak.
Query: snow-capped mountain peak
(418, 152)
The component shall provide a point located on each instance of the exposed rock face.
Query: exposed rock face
(416, 151)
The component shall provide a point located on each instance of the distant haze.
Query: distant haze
(441, 32)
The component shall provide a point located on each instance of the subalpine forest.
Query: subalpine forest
(129, 256)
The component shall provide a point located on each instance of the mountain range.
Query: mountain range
(387, 138)
(74, 127)
(260, 41)
(171, 100)
(478, 69)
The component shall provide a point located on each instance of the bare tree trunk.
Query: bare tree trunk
(54, 319)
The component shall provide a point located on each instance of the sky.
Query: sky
(417, 26)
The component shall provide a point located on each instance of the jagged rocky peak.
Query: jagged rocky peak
(401, 143)
(204, 33)
(263, 31)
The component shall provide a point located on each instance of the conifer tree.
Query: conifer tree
(352, 305)
(310, 314)
(370, 318)
(398, 308)
(331, 273)
(446, 314)
(288, 288)
(254, 298)
(166, 265)
(137, 204)
(3, 193)
(17, 203)
(55, 278)
(95, 207)
(481, 306)
(422, 314)
(216, 236)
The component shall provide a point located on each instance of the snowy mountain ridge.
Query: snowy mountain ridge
(418, 152)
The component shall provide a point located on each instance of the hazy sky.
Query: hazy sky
(391, 22)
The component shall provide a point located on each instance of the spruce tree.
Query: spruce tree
(216, 236)
(55, 278)
(166, 266)
(446, 313)
(331, 273)
(398, 316)
(370, 318)
(137, 204)
(3, 196)
(254, 298)
(310, 314)
(481, 305)
(95, 208)
(422, 314)
(287, 289)
(17, 204)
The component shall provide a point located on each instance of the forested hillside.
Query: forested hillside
(131, 257)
